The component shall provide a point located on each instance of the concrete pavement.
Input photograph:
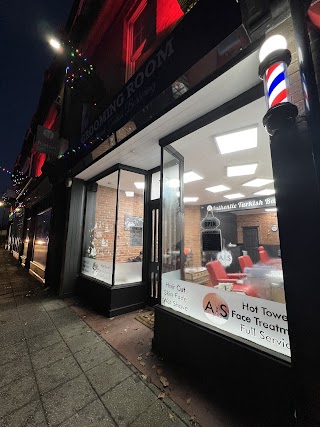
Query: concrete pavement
(56, 371)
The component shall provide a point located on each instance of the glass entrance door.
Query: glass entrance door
(172, 211)
(154, 262)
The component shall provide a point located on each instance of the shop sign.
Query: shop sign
(47, 141)
(244, 204)
(177, 54)
(257, 320)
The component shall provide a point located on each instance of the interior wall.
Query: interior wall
(127, 206)
(192, 233)
(104, 231)
(264, 222)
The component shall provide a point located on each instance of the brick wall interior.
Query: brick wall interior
(192, 234)
(104, 231)
(192, 230)
(264, 222)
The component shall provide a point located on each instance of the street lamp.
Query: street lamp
(274, 60)
(53, 42)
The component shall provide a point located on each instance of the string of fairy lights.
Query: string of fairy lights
(78, 72)
(78, 69)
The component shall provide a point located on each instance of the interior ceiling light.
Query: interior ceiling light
(130, 193)
(257, 182)
(237, 141)
(242, 170)
(190, 199)
(271, 210)
(139, 185)
(234, 196)
(265, 192)
(191, 176)
(218, 188)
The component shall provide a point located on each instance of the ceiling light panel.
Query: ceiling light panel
(237, 141)
(242, 170)
(130, 193)
(190, 199)
(218, 188)
(265, 192)
(191, 176)
(257, 182)
(234, 196)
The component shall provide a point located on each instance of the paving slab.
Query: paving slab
(57, 373)
(82, 338)
(34, 328)
(54, 304)
(14, 335)
(8, 353)
(158, 415)
(63, 402)
(15, 369)
(17, 394)
(30, 415)
(92, 415)
(48, 355)
(44, 340)
(108, 374)
(73, 329)
(128, 400)
(94, 355)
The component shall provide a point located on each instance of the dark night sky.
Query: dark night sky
(24, 55)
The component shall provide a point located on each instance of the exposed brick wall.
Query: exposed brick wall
(286, 29)
(105, 224)
(127, 206)
(264, 222)
(192, 233)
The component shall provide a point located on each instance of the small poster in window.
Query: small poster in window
(135, 236)
(132, 221)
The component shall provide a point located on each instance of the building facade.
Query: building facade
(172, 194)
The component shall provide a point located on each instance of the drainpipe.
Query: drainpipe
(299, 9)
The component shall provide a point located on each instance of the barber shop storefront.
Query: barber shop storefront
(190, 211)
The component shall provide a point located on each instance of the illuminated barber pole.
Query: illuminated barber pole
(276, 84)
(274, 60)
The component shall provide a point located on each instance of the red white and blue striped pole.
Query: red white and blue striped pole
(276, 84)
(274, 61)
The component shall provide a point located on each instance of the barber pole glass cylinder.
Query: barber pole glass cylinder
(276, 84)
(274, 61)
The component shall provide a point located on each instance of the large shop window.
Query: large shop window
(17, 230)
(221, 260)
(113, 238)
(26, 238)
(41, 238)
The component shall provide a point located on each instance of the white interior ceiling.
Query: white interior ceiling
(201, 155)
